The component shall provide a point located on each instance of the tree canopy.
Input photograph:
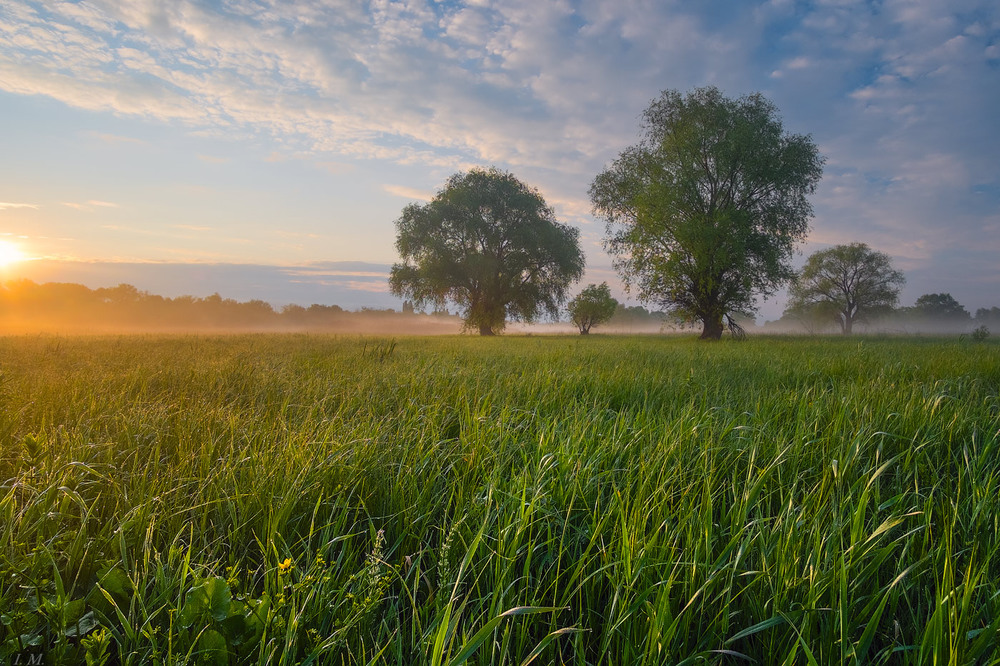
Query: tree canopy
(941, 307)
(592, 306)
(850, 283)
(703, 213)
(490, 244)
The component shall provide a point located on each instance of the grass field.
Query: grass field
(598, 500)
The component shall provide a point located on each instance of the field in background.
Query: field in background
(585, 500)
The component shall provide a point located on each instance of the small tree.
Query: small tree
(594, 305)
(851, 283)
(703, 214)
(489, 243)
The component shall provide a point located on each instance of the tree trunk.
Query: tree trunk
(712, 329)
(847, 325)
(584, 330)
(486, 329)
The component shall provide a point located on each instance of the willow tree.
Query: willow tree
(592, 306)
(846, 284)
(704, 212)
(490, 244)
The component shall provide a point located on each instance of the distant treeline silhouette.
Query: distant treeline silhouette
(26, 305)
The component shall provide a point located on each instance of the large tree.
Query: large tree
(703, 213)
(851, 283)
(594, 305)
(489, 243)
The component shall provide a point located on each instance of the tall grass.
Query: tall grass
(296, 499)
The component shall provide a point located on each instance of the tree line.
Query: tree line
(702, 218)
(27, 305)
(74, 306)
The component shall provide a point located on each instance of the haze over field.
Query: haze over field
(270, 142)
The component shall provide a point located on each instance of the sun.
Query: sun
(10, 253)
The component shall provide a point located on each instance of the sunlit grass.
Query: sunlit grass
(267, 499)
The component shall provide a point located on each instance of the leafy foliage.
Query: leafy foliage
(941, 307)
(594, 305)
(702, 215)
(846, 284)
(491, 244)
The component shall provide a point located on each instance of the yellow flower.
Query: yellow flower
(286, 565)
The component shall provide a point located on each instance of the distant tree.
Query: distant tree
(489, 243)
(988, 316)
(814, 317)
(592, 306)
(122, 294)
(940, 307)
(704, 212)
(850, 283)
(636, 314)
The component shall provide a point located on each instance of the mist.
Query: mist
(68, 308)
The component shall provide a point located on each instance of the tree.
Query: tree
(850, 282)
(594, 305)
(703, 213)
(940, 307)
(989, 316)
(489, 243)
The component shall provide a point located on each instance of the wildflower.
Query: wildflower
(286, 565)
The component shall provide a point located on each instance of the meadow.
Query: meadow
(286, 499)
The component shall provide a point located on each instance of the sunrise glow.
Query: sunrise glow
(10, 253)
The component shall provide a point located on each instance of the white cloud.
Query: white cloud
(7, 205)
(407, 192)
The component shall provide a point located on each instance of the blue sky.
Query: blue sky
(283, 134)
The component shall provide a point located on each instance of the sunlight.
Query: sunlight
(10, 253)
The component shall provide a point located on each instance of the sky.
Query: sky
(265, 148)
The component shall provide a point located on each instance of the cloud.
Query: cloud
(275, 284)
(7, 205)
(329, 272)
(336, 168)
(901, 95)
(212, 159)
(90, 204)
(408, 192)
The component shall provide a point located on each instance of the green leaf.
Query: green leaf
(73, 611)
(82, 626)
(760, 626)
(211, 597)
(116, 582)
(212, 648)
(235, 628)
(480, 637)
(219, 597)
